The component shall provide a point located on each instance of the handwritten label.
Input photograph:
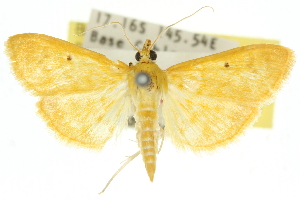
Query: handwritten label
(112, 36)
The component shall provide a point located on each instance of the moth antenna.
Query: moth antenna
(161, 33)
(110, 24)
(128, 161)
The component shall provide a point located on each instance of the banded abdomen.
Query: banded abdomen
(147, 127)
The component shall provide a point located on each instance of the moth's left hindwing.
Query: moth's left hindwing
(212, 100)
(84, 96)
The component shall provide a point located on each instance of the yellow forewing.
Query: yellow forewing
(84, 95)
(211, 100)
(48, 66)
(253, 74)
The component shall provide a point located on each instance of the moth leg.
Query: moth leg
(161, 135)
(129, 159)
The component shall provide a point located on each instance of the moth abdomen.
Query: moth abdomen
(147, 134)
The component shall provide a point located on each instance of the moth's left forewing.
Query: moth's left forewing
(212, 100)
(47, 66)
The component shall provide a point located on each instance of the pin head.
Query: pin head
(142, 79)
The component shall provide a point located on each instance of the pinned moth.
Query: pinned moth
(86, 99)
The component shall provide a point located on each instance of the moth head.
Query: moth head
(151, 55)
(146, 54)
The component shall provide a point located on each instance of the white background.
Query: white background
(263, 164)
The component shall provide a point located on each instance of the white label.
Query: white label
(112, 36)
